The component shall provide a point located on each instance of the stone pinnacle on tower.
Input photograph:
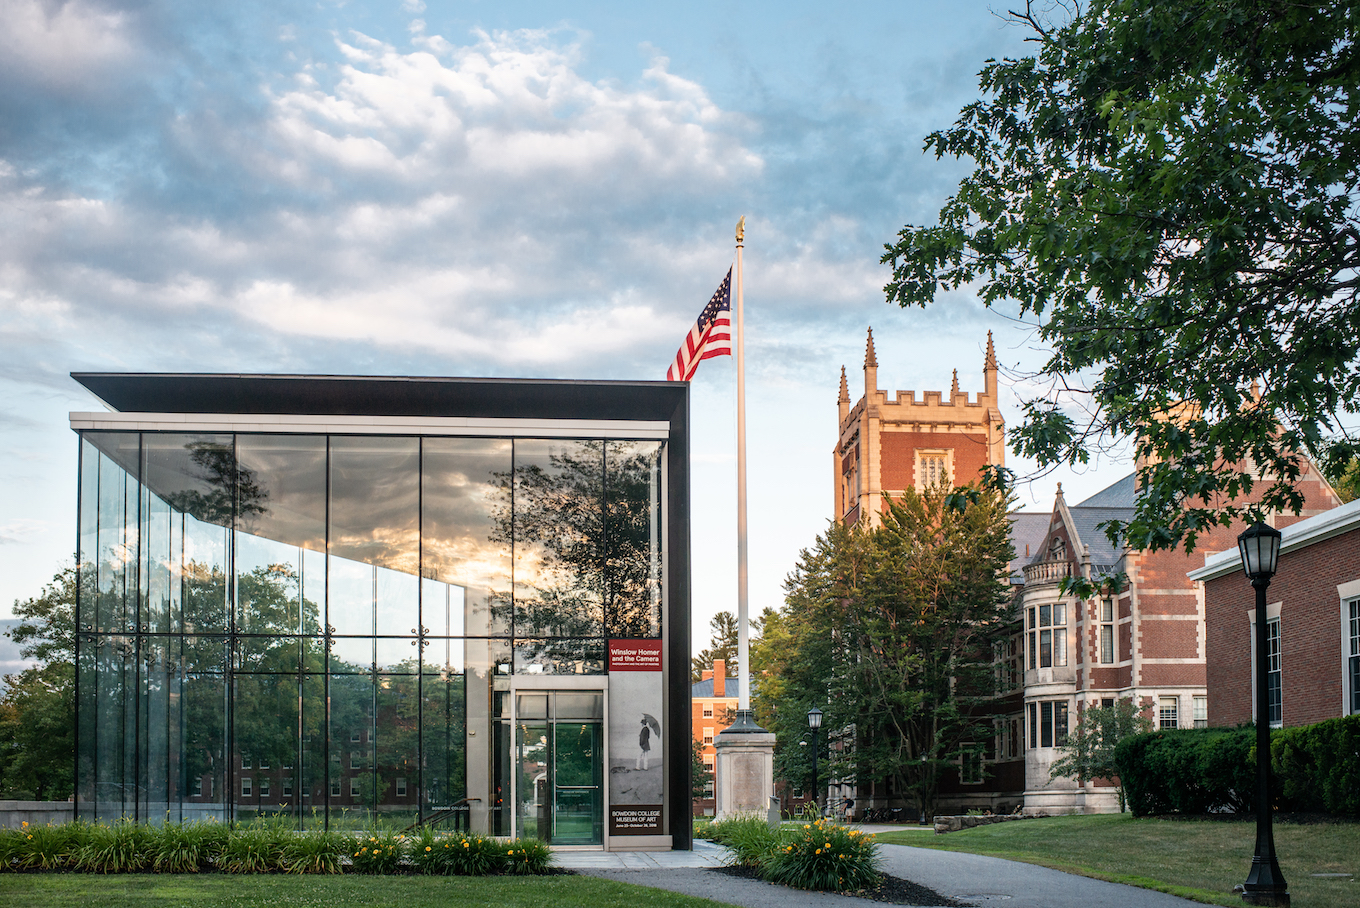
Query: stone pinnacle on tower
(870, 370)
(954, 388)
(843, 401)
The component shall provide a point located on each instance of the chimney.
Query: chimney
(719, 678)
(705, 674)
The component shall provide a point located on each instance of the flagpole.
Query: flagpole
(743, 619)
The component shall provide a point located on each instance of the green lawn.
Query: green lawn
(213, 890)
(1197, 859)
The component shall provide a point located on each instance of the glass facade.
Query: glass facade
(326, 626)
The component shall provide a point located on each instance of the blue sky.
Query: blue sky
(482, 188)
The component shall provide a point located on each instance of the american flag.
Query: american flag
(711, 335)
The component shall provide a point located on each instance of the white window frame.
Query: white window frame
(945, 456)
(246, 786)
(1168, 712)
(1199, 711)
(264, 788)
(401, 788)
(1349, 594)
(1109, 642)
(1272, 616)
(354, 787)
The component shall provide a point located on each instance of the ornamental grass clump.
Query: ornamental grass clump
(47, 847)
(187, 847)
(751, 840)
(377, 852)
(257, 848)
(315, 851)
(475, 855)
(124, 847)
(824, 856)
(527, 856)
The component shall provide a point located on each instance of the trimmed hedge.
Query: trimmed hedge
(1316, 769)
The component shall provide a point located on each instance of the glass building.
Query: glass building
(342, 599)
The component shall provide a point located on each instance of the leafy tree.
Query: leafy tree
(1089, 751)
(890, 631)
(724, 646)
(700, 776)
(1169, 190)
(37, 709)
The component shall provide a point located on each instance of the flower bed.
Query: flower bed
(260, 847)
(820, 855)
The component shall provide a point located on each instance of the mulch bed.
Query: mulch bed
(892, 889)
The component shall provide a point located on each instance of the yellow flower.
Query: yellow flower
(427, 847)
(805, 826)
(25, 823)
(819, 851)
(465, 844)
(827, 845)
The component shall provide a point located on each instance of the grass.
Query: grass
(1196, 859)
(291, 891)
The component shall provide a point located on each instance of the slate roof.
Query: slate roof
(705, 688)
(1121, 494)
(1028, 528)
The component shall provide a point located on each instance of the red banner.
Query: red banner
(635, 655)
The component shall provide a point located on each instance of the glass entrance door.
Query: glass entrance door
(559, 756)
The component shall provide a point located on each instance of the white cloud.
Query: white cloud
(66, 46)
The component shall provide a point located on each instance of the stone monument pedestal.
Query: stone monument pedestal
(743, 772)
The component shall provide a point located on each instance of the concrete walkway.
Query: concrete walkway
(975, 879)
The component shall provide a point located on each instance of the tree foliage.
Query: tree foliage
(724, 646)
(37, 708)
(890, 631)
(1089, 751)
(1169, 190)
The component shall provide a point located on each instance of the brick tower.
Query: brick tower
(887, 445)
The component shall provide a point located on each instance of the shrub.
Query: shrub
(377, 852)
(824, 856)
(527, 856)
(703, 829)
(474, 855)
(315, 851)
(1318, 766)
(1201, 770)
(124, 847)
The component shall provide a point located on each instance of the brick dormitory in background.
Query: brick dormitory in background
(1155, 641)
(344, 600)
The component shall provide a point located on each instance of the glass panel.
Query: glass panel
(444, 716)
(267, 654)
(397, 598)
(159, 756)
(1045, 615)
(532, 706)
(1045, 649)
(87, 726)
(311, 772)
(633, 528)
(265, 728)
(351, 597)
(466, 534)
(578, 706)
(87, 558)
(1046, 724)
(351, 655)
(351, 757)
(116, 545)
(158, 566)
(555, 656)
(533, 788)
(205, 735)
(558, 536)
(442, 608)
(375, 512)
(397, 654)
(397, 749)
(197, 476)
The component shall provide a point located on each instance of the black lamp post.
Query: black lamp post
(1265, 885)
(814, 723)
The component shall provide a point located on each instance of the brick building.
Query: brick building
(886, 446)
(1313, 615)
(1147, 642)
(713, 706)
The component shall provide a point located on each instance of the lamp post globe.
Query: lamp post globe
(814, 720)
(1259, 546)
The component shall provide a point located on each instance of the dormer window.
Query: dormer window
(1057, 549)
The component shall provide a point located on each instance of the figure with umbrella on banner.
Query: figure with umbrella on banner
(649, 727)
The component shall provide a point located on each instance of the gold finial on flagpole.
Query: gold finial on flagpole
(741, 230)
